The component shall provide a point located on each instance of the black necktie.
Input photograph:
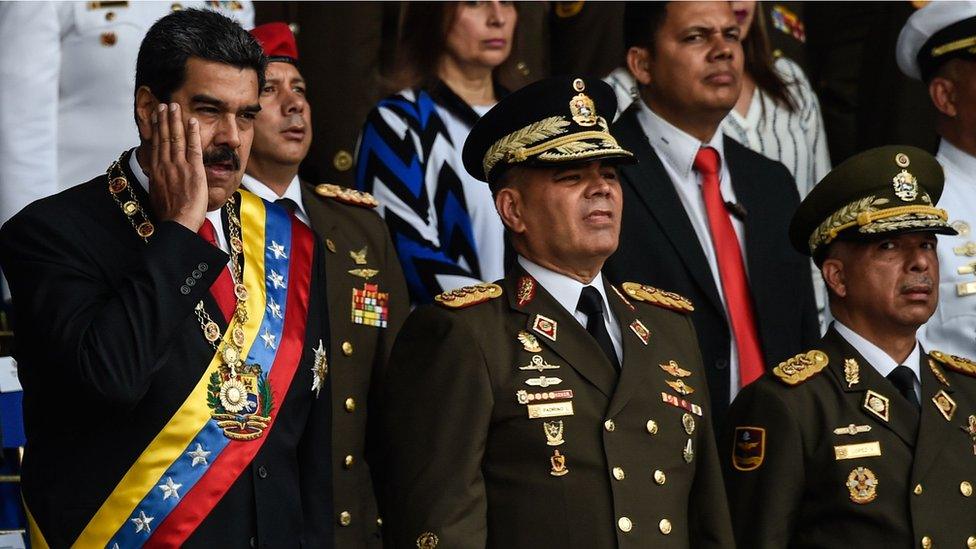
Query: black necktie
(904, 379)
(591, 304)
(287, 204)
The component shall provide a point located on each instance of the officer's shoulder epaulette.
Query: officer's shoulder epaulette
(955, 363)
(661, 298)
(801, 367)
(468, 296)
(346, 195)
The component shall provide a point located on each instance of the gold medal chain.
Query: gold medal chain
(232, 350)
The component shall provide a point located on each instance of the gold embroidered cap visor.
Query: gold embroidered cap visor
(886, 190)
(560, 120)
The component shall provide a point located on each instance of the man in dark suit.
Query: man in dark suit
(360, 266)
(170, 397)
(703, 215)
(865, 439)
(552, 409)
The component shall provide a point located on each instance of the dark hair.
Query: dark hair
(642, 21)
(208, 35)
(423, 41)
(759, 63)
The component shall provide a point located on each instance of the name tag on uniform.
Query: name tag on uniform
(550, 409)
(852, 451)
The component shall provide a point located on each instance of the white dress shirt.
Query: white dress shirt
(213, 216)
(880, 360)
(566, 291)
(677, 151)
(952, 329)
(293, 192)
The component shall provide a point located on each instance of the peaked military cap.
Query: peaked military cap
(885, 190)
(940, 31)
(554, 121)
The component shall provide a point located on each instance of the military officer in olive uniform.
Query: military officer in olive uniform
(868, 439)
(552, 409)
(367, 295)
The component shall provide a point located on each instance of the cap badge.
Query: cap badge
(906, 185)
(902, 160)
(583, 110)
(579, 85)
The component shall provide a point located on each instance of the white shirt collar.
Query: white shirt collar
(625, 87)
(879, 359)
(564, 289)
(213, 216)
(676, 147)
(293, 192)
(961, 161)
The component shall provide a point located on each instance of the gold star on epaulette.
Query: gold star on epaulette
(955, 363)
(346, 195)
(661, 298)
(802, 367)
(468, 296)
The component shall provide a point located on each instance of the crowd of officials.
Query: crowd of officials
(492, 274)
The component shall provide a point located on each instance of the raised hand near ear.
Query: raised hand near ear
(178, 182)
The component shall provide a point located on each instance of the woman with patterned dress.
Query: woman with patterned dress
(442, 220)
(777, 114)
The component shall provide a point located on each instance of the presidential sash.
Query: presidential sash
(201, 451)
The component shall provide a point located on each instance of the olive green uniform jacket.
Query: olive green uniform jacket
(471, 469)
(358, 353)
(796, 492)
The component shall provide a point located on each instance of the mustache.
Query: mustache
(221, 154)
(923, 282)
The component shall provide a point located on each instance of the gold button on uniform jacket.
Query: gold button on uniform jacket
(825, 452)
(508, 427)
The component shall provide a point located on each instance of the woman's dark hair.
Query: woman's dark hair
(423, 41)
(208, 35)
(759, 63)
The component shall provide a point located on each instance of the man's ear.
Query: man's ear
(508, 203)
(146, 104)
(833, 274)
(942, 91)
(639, 64)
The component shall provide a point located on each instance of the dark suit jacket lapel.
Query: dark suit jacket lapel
(573, 343)
(652, 184)
(633, 374)
(934, 430)
(902, 419)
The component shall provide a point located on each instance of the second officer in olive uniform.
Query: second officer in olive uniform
(552, 409)
(367, 295)
(866, 440)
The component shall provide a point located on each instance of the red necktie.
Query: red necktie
(732, 271)
(223, 288)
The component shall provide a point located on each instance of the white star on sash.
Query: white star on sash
(274, 308)
(142, 522)
(269, 339)
(278, 250)
(199, 456)
(276, 279)
(170, 489)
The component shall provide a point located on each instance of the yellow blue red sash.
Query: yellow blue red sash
(189, 466)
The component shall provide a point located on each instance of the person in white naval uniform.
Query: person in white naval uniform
(934, 46)
(67, 71)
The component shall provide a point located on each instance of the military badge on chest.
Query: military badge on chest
(370, 306)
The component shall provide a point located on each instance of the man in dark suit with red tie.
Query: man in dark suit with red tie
(703, 215)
